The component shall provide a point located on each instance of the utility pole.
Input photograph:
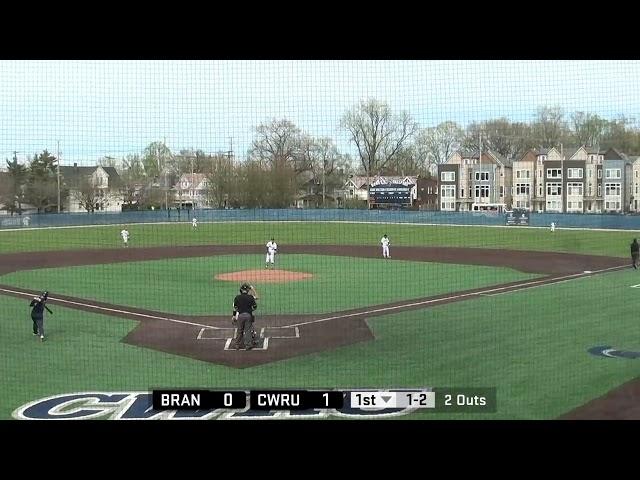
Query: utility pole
(323, 188)
(58, 174)
(193, 203)
(562, 185)
(480, 164)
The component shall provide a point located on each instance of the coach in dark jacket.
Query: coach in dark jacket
(243, 307)
(38, 306)
(635, 252)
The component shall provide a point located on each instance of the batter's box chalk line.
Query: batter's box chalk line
(228, 334)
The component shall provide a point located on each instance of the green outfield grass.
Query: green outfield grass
(531, 345)
(580, 241)
(188, 286)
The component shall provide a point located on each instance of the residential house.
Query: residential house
(635, 193)
(191, 191)
(427, 191)
(449, 180)
(311, 194)
(356, 188)
(524, 181)
(105, 180)
(617, 182)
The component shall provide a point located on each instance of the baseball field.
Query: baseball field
(518, 309)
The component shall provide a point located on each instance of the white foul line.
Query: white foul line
(515, 288)
(96, 307)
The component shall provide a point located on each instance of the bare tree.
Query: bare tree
(88, 195)
(550, 126)
(588, 129)
(377, 134)
(326, 164)
(222, 181)
(158, 159)
(278, 144)
(435, 145)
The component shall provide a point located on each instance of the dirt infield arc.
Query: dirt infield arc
(290, 335)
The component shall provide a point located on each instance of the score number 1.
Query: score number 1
(417, 399)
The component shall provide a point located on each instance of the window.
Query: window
(540, 191)
(522, 189)
(462, 193)
(554, 189)
(612, 189)
(599, 190)
(590, 173)
(636, 172)
(482, 191)
(482, 176)
(501, 191)
(612, 173)
(554, 173)
(574, 189)
(448, 191)
(448, 176)
(574, 173)
(599, 173)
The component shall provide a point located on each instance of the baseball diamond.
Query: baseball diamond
(287, 335)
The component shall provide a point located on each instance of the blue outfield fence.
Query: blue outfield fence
(616, 222)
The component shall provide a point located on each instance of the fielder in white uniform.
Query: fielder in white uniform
(125, 237)
(384, 241)
(194, 223)
(272, 248)
(553, 226)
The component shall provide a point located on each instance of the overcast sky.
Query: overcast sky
(113, 108)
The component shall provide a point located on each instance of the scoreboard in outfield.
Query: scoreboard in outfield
(391, 194)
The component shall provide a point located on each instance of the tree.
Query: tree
(107, 161)
(197, 160)
(157, 160)
(133, 180)
(279, 143)
(377, 134)
(436, 144)
(13, 191)
(326, 164)
(88, 196)
(588, 129)
(550, 126)
(222, 181)
(42, 184)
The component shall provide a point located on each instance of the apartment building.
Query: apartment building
(471, 183)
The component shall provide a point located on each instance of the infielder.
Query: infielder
(38, 305)
(194, 223)
(384, 241)
(243, 307)
(125, 236)
(272, 248)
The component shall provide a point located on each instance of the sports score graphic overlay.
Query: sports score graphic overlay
(470, 400)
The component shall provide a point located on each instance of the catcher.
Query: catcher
(243, 318)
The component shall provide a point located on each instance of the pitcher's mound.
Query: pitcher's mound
(263, 276)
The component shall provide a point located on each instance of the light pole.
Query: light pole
(58, 174)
